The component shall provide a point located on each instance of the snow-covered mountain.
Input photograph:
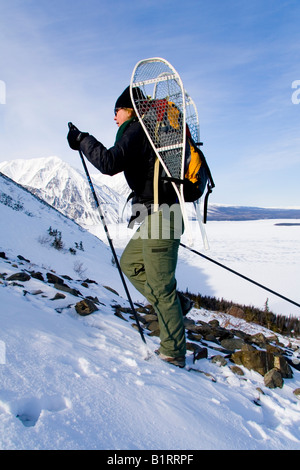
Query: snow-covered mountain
(66, 189)
(87, 382)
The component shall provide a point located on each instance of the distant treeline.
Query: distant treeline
(281, 324)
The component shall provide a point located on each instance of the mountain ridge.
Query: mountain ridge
(67, 189)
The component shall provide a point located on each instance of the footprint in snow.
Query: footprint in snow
(28, 410)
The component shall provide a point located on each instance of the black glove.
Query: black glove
(75, 136)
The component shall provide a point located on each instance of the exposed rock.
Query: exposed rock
(273, 379)
(214, 323)
(35, 292)
(222, 333)
(294, 362)
(204, 328)
(210, 331)
(111, 290)
(58, 296)
(296, 392)
(154, 333)
(207, 374)
(198, 351)
(19, 277)
(232, 344)
(210, 337)
(119, 315)
(281, 364)
(273, 349)
(23, 259)
(236, 312)
(273, 338)
(117, 310)
(259, 361)
(53, 279)
(95, 300)
(122, 309)
(241, 334)
(237, 370)
(85, 307)
(262, 361)
(66, 288)
(150, 317)
(248, 347)
(142, 309)
(153, 326)
(140, 318)
(194, 337)
(90, 281)
(219, 359)
(37, 275)
(190, 325)
(259, 339)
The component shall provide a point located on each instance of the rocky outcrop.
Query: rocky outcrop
(262, 361)
(264, 355)
(82, 307)
(210, 341)
(273, 378)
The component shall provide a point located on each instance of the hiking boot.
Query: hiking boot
(175, 361)
(186, 303)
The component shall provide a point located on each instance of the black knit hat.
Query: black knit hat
(124, 100)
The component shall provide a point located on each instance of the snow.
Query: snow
(72, 382)
(261, 250)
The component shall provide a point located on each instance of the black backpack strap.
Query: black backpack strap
(209, 190)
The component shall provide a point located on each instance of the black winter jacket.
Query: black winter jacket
(134, 155)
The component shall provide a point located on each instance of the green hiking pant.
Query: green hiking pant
(149, 261)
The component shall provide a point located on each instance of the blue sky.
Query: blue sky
(69, 60)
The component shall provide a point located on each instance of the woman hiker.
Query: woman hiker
(150, 258)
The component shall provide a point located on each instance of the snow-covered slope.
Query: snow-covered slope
(66, 189)
(258, 249)
(72, 382)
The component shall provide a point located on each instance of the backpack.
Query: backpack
(197, 175)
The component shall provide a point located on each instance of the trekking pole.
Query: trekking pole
(110, 242)
(241, 275)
